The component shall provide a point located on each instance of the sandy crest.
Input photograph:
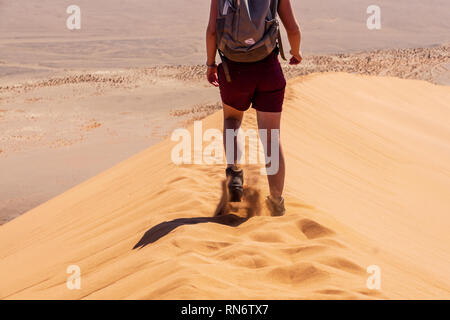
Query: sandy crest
(89, 120)
(368, 169)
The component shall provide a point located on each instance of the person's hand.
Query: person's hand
(211, 75)
(296, 58)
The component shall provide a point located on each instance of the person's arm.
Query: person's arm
(211, 46)
(292, 27)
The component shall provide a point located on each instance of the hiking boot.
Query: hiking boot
(276, 207)
(235, 178)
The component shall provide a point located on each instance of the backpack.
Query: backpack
(247, 30)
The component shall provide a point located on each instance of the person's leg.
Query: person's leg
(268, 102)
(269, 121)
(232, 119)
(238, 94)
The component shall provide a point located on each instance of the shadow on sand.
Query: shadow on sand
(222, 216)
(162, 229)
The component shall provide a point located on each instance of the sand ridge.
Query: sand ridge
(90, 119)
(342, 141)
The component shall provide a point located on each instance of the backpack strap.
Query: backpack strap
(225, 66)
(280, 43)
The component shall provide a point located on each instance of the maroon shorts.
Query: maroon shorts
(260, 84)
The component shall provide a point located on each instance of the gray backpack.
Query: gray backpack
(247, 30)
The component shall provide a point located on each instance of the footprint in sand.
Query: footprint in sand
(297, 273)
(314, 230)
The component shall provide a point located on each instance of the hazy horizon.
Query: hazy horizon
(116, 34)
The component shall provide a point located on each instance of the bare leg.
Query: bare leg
(232, 119)
(268, 121)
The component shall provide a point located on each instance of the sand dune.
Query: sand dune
(94, 119)
(368, 172)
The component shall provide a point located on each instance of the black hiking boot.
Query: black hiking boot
(235, 178)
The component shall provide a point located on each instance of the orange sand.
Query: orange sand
(368, 174)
